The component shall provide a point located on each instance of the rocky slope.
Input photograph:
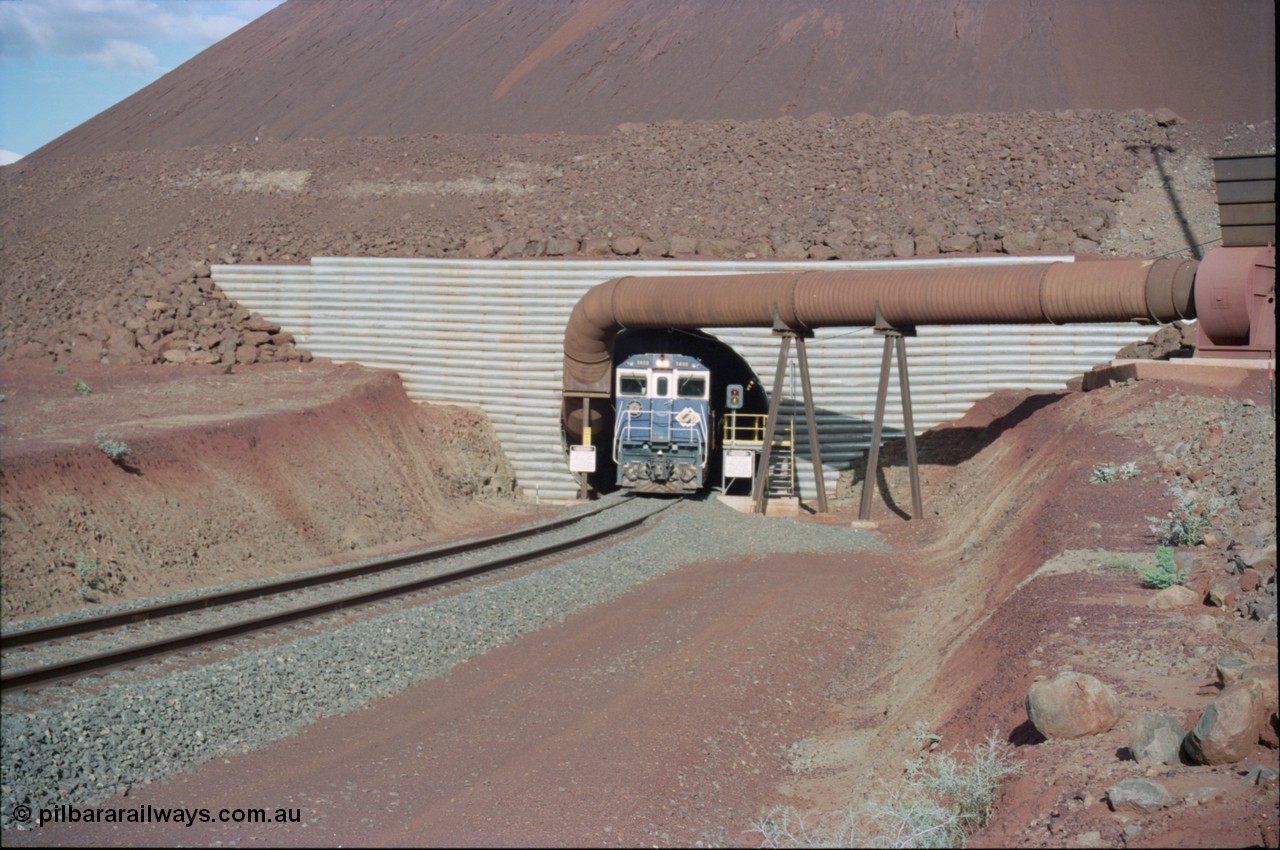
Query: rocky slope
(107, 257)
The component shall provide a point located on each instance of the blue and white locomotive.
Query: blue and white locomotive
(663, 425)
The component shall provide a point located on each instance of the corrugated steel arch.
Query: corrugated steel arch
(490, 333)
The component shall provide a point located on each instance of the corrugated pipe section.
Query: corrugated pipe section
(491, 334)
(1052, 293)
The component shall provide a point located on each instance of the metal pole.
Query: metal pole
(904, 385)
(811, 421)
(586, 441)
(760, 486)
(873, 452)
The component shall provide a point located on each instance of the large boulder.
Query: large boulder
(1022, 242)
(1238, 666)
(1229, 727)
(625, 246)
(1175, 596)
(1072, 705)
(1155, 739)
(682, 245)
(1262, 560)
(559, 247)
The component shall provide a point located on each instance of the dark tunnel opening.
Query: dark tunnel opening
(727, 367)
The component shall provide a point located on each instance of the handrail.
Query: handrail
(734, 425)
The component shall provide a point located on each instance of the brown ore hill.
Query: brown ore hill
(360, 68)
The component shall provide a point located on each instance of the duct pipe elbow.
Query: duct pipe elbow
(588, 340)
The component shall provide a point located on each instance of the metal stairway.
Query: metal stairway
(782, 461)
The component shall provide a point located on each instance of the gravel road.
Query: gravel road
(87, 748)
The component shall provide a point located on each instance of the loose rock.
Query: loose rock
(1155, 739)
(1142, 796)
(1072, 705)
(1176, 596)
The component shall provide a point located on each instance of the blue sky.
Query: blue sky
(64, 61)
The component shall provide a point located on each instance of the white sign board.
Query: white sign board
(739, 464)
(582, 458)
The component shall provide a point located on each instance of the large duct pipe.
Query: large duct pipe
(1053, 293)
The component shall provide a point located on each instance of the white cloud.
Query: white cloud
(96, 29)
(9, 157)
(124, 55)
(62, 61)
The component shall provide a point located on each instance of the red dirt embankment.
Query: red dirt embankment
(228, 476)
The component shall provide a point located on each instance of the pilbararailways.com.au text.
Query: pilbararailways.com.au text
(149, 814)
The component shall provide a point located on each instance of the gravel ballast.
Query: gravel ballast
(86, 749)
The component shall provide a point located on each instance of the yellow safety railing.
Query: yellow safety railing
(746, 430)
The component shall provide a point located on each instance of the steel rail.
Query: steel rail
(87, 625)
(116, 657)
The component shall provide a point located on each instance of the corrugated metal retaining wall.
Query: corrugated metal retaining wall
(491, 333)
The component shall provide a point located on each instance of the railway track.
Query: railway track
(92, 645)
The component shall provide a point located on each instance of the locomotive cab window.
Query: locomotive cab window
(691, 386)
(633, 385)
(662, 389)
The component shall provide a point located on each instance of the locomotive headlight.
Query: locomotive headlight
(633, 408)
(663, 363)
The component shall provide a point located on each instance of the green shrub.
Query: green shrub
(1107, 474)
(1188, 521)
(942, 801)
(1102, 475)
(82, 388)
(85, 565)
(110, 446)
(1166, 572)
(84, 568)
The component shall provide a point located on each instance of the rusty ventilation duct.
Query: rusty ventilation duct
(1052, 293)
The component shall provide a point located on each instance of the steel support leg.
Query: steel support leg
(760, 486)
(893, 341)
(811, 421)
(913, 465)
(877, 427)
(864, 511)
